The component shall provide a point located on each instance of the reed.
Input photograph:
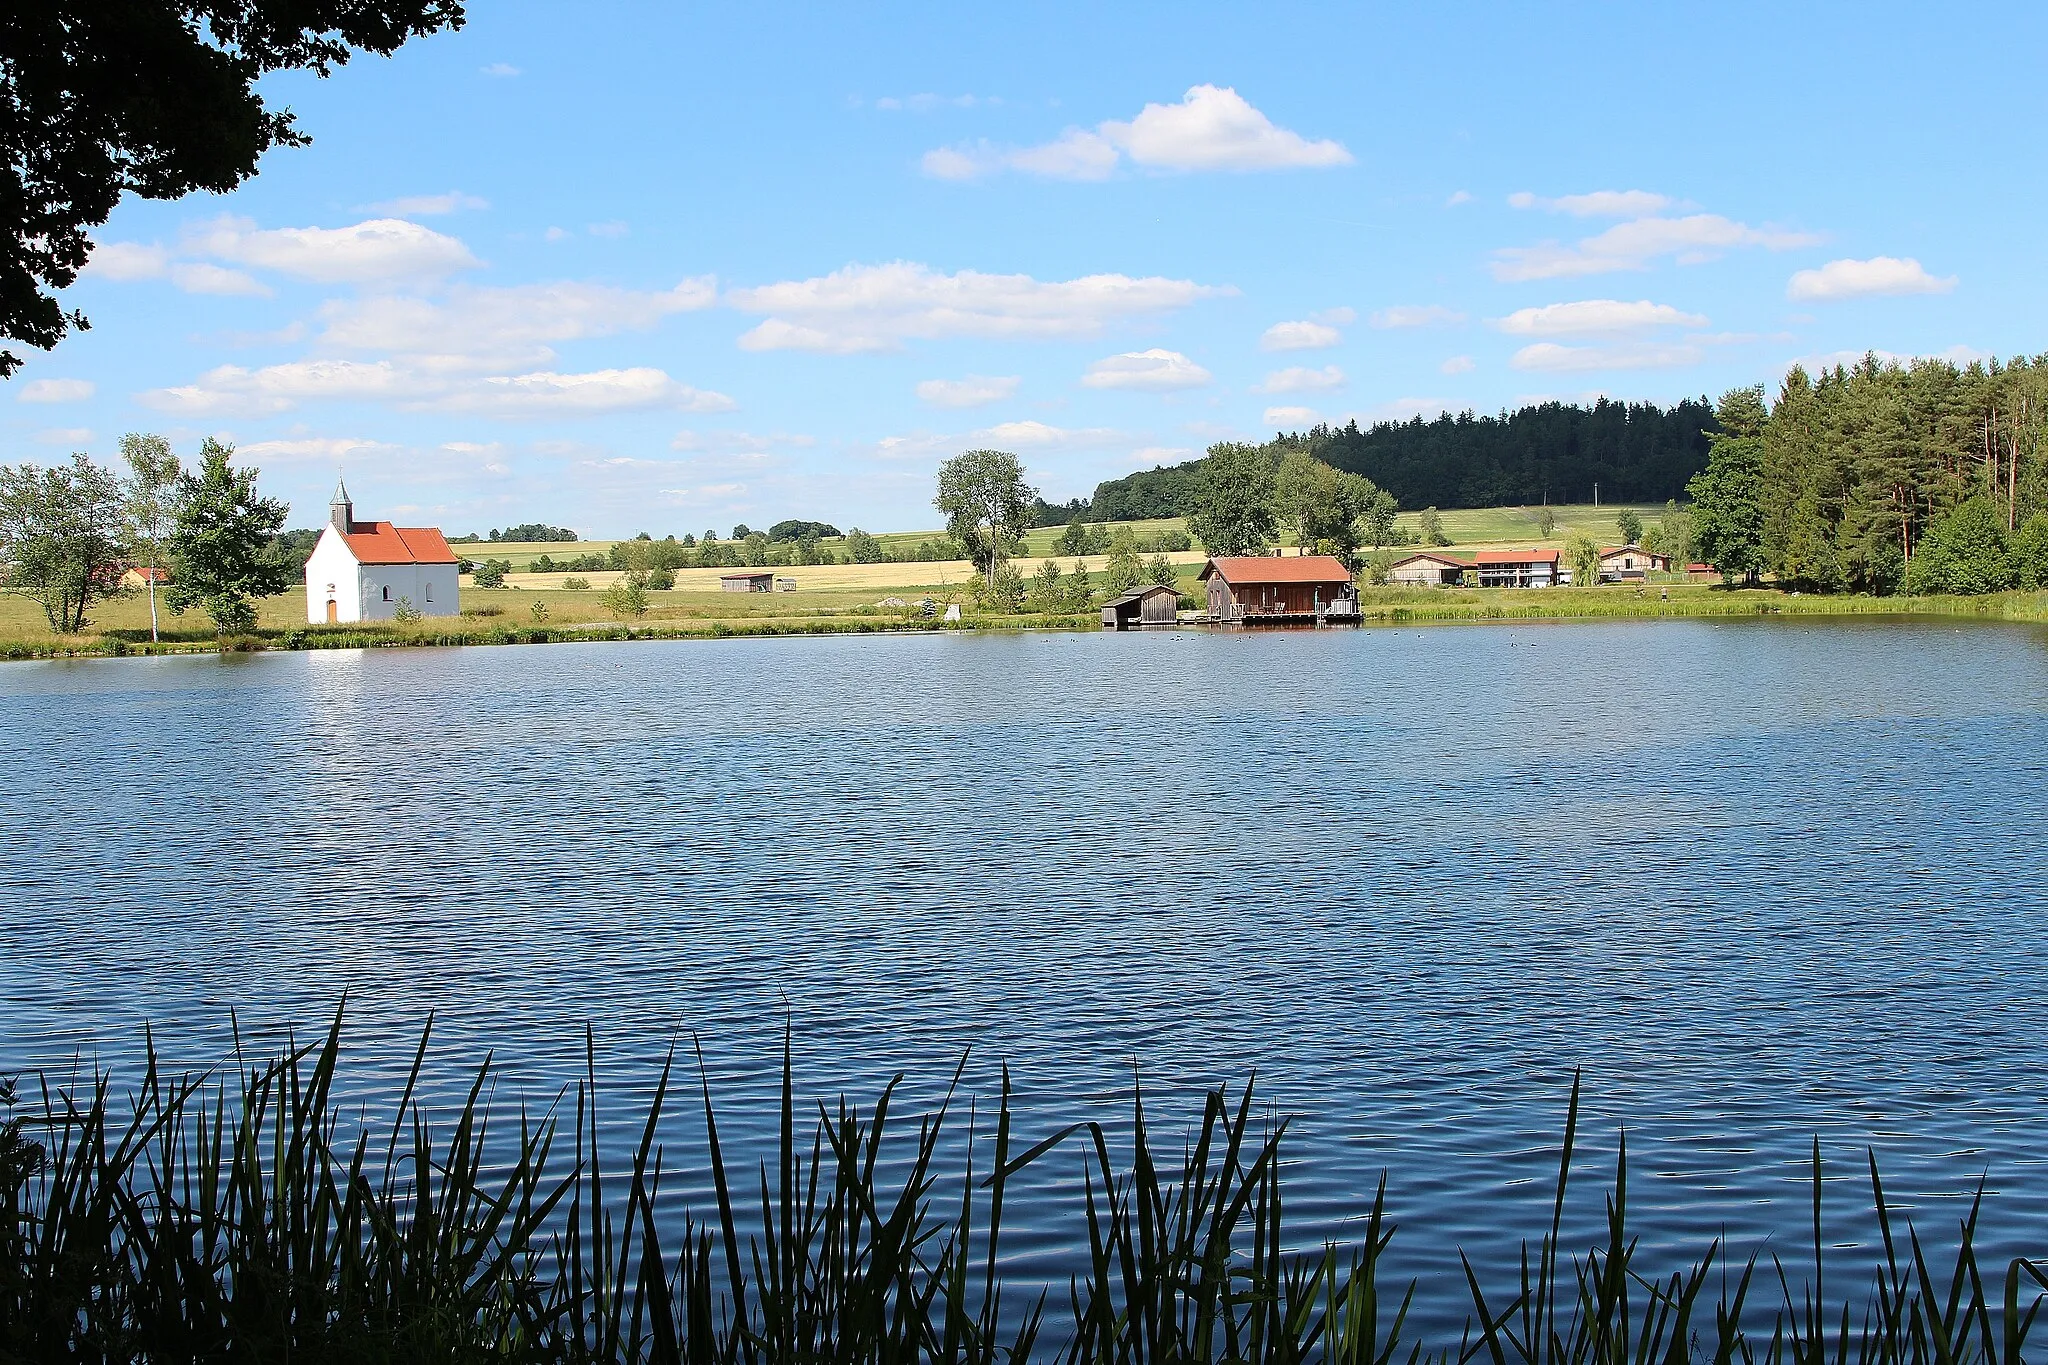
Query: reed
(242, 1217)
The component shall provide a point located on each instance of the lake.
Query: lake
(1760, 882)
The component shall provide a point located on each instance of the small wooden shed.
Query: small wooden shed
(1426, 569)
(1153, 604)
(1276, 587)
(747, 582)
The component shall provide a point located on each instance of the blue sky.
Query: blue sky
(638, 267)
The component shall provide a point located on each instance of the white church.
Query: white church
(364, 570)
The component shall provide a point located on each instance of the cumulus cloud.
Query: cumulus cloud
(1458, 197)
(738, 442)
(514, 325)
(1596, 317)
(321, 449)
(1457, 364)
(1039, 437)
(1290, 417)
(55, 391)
(1633, 245)
(1551, 357)
(1156, 371)
(430, 205)
(1955, 355)
(1300, 379)
(1403, 315)
(1212, 128)
(971, 392)
(232, 389)
(500, 69)
(1598, 204)
(373, 251)
(864, 308)
(128, 261)
(198, 277)
(1299, 336)
(1880, 275)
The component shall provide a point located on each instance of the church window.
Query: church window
(430, 591)
(387, 593)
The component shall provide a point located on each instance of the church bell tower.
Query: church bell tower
(341, 512)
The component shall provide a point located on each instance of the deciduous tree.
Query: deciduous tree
(219, 544)
(987, 505)
(60, 538)
(1234, 500)
(150, 506)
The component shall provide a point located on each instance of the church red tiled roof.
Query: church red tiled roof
(379, 542)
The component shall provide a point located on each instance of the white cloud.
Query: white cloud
(1415, 315)
(971, 392)
(877, 307)
(1159, 455)
(1401, 409)
(1955, 355)
(1290, 417)
(1549, 356)
(1213, 128)
(1300, 379)
(1691, 240)
(1458, 364)
(925, 103)
(613, 228)
(323, 449)
(1458, 197)
(128, 261)
(738, 442)
(557, 234)
(1155, 371)
(1299, 336)
(375, 250)
(197, 277)
(1880, 275)
(231, 389)
(501, 69)
(430, 205)
(1039, 437)
(1596, 317)
(488, 326)
(65, 436)
(55, 391)
(1598, 204)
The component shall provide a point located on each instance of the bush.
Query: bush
(405, 613)
(575, 584)
(483, 611)
(1966, 552)
(491, 573)
(2030, 553)
(626, 597)
(661, 580)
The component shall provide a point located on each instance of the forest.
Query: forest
(1548, 452)
(1926, 476)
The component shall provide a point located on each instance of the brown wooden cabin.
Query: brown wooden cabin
(1628, 563)
(1304, 587)
(1152, 604)
(747, 582)
(1427, 569)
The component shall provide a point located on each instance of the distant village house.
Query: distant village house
(1427, 569)
(1516, 568)
(366, 570)
(1628, 564)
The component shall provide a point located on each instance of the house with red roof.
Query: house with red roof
(1279, 587)
(1517, 568)
(370, 570)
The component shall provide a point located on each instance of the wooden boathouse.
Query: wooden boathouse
(1279, 590)
(1150, 604)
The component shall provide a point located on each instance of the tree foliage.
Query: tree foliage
(155, 98)
(1232, 510)
(1727, 496)
(987, 505)
(1965, 551)
(149, 508)
(220, 547)
(61, 537)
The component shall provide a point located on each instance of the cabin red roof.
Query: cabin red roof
(1276, 569)
(379, 542)
(1493, 558)
(1433, 556)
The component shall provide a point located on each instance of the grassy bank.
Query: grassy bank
(248, 1217)
(505, 617)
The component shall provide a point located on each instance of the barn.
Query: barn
(746, 582)
(1151, 604)
(1628, 564)
(1427, 569)
(1279, 588)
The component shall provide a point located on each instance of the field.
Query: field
(1475, 527)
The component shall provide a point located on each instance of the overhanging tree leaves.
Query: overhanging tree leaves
(60, 538)
(1234, 500)
(156, 98)
(221, 547)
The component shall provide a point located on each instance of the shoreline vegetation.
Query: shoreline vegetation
(253, 1214)
(1377, 607)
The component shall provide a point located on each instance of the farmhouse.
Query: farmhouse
(1153, 604)
(1628, 564)
(747, 582)
(1427, 569)
(368, 570)
(141, 576)
(1275, 587)
(1516, 568)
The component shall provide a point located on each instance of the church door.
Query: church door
(333, 612)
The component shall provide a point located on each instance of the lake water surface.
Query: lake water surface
(1760, 882)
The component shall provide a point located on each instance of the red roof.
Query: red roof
(1277, 569)
(1494, 558)
(1431, 555)
(379, 542)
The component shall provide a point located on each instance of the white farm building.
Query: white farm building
(365, 570)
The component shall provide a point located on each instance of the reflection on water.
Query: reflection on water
(1759, 881)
